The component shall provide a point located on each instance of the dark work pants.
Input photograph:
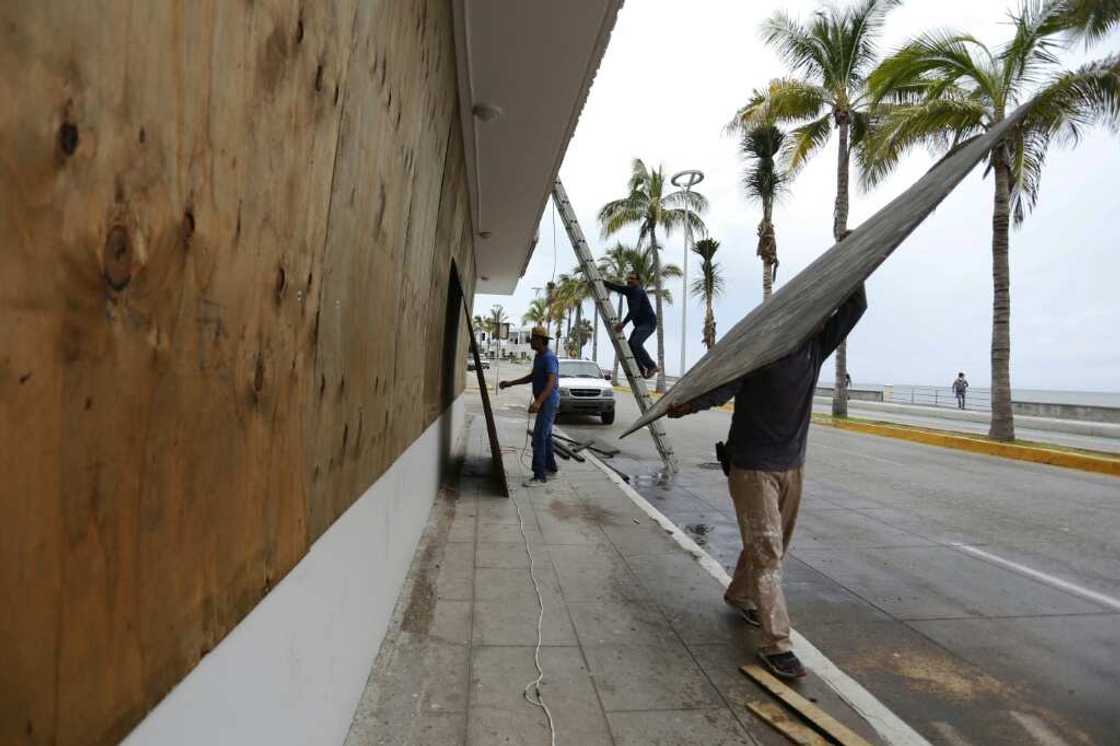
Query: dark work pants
(638, 337)
(544, 459)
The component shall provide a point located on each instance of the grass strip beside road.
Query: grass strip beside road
(1039, 453)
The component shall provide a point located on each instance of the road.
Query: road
(977, 597)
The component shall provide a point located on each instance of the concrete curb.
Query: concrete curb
(1035, 454)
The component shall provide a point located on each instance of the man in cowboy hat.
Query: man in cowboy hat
(546, 400)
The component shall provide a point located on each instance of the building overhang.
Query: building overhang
(524, 70)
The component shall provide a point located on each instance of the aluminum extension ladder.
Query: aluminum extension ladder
(602, 300)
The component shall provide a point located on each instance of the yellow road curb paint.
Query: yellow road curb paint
(1035, 454)
(1067, 459)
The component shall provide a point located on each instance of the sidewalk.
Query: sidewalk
(638, 645)
(1090, 436)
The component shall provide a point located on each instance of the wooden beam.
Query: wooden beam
(779, 720)
(821, 720)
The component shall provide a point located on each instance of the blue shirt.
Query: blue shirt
(545, 364)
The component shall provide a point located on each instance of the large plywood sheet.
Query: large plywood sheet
(226, 231)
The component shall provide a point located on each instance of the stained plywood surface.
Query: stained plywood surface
(783, 323)
(226, 231)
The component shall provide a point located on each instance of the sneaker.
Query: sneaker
(783, 665)
(652, 372)
(534, 482)
(750, 616)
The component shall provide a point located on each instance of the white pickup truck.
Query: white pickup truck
(585, 389)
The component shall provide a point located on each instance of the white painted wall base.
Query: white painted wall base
(293, 670)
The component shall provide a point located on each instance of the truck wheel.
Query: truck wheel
(607, 417)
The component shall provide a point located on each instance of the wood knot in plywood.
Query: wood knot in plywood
(116, 258)
(68, 138)
(186, 230)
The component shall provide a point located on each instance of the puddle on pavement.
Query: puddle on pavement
(699, 532)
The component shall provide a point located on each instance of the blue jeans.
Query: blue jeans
(638, 337)
(544, 459)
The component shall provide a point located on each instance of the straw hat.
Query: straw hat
(540, 331)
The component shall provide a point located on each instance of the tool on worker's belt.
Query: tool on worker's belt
(724, 458)
(602, 301)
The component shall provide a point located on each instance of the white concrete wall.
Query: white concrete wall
(293, 670)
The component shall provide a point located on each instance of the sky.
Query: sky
(670, 81)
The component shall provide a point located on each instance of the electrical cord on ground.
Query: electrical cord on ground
(532, 691)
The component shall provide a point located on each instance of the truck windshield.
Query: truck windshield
(579, 369)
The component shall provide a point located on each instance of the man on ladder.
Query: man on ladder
(640, 311)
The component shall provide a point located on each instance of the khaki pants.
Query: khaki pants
(766, 504)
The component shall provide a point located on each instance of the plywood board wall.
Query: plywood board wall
(226, 232)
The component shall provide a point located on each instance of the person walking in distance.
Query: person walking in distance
(766, 450)
(546, 400)
(960, 386)
(640, 311)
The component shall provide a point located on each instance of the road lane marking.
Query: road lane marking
(889, 726)
(1050, 580)
(1038, 729)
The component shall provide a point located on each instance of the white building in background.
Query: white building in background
(516, 347)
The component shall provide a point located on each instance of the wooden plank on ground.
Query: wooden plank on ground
(820, 719)
(781, 721)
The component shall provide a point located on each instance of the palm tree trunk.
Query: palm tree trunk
(578, 339)
(1003, 423)
(709, 325)
(767, 248)
(839, 228)
(614, 370)
(660, 387)
(595, 335)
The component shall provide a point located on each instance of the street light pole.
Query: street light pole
(686, 180)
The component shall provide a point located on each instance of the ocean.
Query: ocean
(980, 397)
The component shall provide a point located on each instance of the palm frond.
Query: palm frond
(783, 100)
(1073, 100)
(934, 123)
(861, 26)
(1088, 20)
(795, 44)
(804, 141)
(931, 64)
(1035, 43)
(760, 149)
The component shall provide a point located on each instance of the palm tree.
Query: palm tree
(494, 323)
(833, 53)
(943, 88)
(577, 338)
(709, 285)
(644, 263)
(536, 314)
(647, 206)
(764, 180)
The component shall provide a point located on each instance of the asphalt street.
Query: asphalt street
(976, 597)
